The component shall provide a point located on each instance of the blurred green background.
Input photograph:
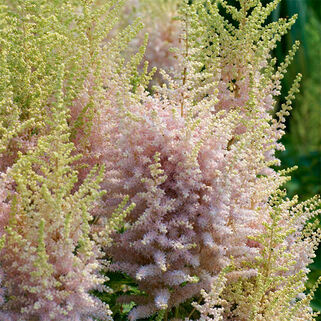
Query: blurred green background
(303, 138)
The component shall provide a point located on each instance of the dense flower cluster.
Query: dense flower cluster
(188, 168)
(196, 158)
(49, 262)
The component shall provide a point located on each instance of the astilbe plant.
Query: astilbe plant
(196, 159)
(109, 75)
(49, 262)
(48, 259)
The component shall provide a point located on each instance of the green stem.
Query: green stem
(177, 311)
(192, 312)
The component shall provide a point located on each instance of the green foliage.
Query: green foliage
(303, 143)
(119, 284)
(306, 121)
